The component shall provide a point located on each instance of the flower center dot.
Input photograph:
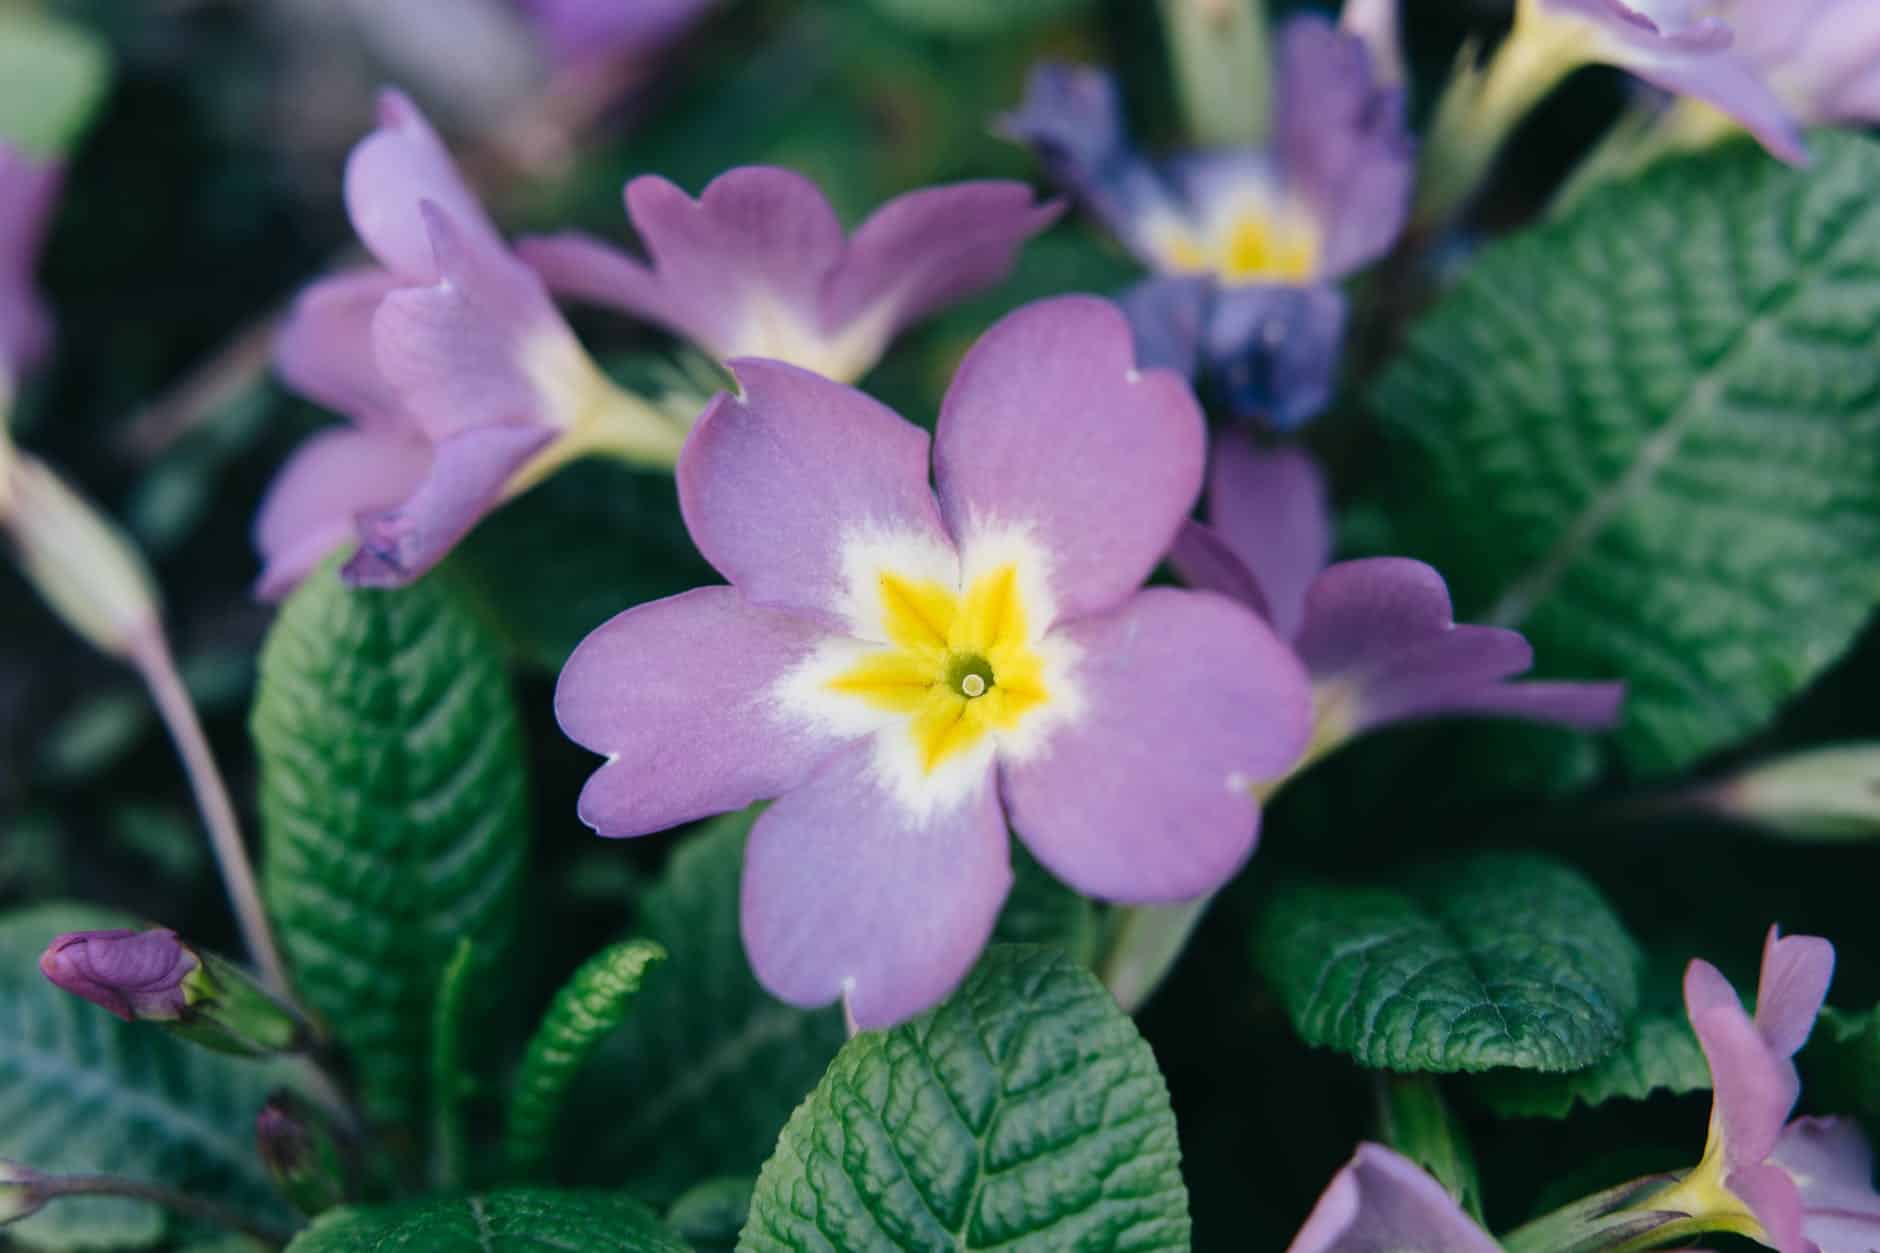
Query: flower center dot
(973, 685)
(969, 674)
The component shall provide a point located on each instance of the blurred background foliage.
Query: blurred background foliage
(207, 193)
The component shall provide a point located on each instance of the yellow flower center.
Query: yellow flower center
(959, 667)
(1254, 245)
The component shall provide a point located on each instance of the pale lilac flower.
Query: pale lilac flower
(1381, 1200)
(134, 974)
(1832, 1166)
(909, 667)
(1250, 243)
(1378, 635)
(463, 383)
(1754, 1088)
(1821, 57)
(759, 266)
(587, 31)
(29, 187)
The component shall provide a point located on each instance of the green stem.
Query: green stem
(47, 1188)
(1222, 60)
(1144, 946)
(449, 1086)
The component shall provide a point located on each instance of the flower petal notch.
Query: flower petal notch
(463, 384)
(758, 265)
(910, 671)
(1261, 236)
(1378, 635)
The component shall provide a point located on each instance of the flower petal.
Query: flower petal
(580, 267)
(390, 173)
(29, 190)
(846, 894)
(1382, 1200)
(1204, 561)
(677, 695)
(1049, 428)
(325, 348)
(1832, 1166)
(1796, 970)
(1185, 700)
(1753, 1088)
(1272, 509)
(1274, 350)
(779, 486)
(469, 476)
(464, 352)
(1169, 317)
(1343, 143)
(929, 248)
(310, 509)
(1772, 1196)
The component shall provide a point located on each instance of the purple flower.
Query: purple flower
(1832, 1166)
(587, 31)
(1754, 1087)
(909, 667)
(29, 187)
(758, 265)
(1270, 232)
(463, 383)
(1821, 57)
(134, 974)
(1378, 635)
(1382, 1200)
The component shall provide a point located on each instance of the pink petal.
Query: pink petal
(390, 173)
(325, 348)
(1753, 1088)
(1382, 1201)
(1272, 509)
(309, 510)
(1796, 970)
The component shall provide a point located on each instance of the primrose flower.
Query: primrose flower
(909, 667)
(1378, 635)
(464, 385)
(134, 974)
(1382, 1200)
(1754, 1086)
(758, 265)
(1832, 1166)
(1249, 244)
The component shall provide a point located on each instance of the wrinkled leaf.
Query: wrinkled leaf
(1659, 1054)
(520, 1220)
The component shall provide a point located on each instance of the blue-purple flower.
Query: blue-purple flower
(759, 265)
(1381, 1200)
(908, 668)
(1378, 635)
(1249, 244)
(463, 384)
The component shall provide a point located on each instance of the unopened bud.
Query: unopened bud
(299, 1149)
(19, 1197)
(86, 568)
(1828, 793)
(152, 976)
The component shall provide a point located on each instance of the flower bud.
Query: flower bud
(1828, 793)
(152, 976)
(19, 1197)
(86, 568)
(301, 1153)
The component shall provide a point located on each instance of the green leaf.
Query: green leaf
(1501, 959)
(709, 1216)
(52, 77)
(1842, 1064)
(84, 1093)
(393, 810)
(1648, 436)
(519, 1220)
(1658, 1054)
(1025, 1114)
(703, 1074)
(1042, 910)
(589, 1006)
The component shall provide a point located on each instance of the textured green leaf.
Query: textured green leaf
(1648, 435)
(519, 1220)
(1042, 910)
(1025, 1113)
(1659, 1054)
(1842, 1064)
(702, 1075)
(1501, 959)
(589, 1006)
(83, 1093)
(393, 813)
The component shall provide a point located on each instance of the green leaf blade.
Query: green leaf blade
(517, 1220)
(1495, 960)
(1660, 1053)
(1649, 437)
(1025, 1113)
(394, 814)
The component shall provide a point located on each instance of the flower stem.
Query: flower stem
(1223, 69)
(1144, 946)
(46, 1188)
(150, 653)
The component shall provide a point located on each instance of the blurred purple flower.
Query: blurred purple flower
(583, 31)
(1822, 57)
(758, 265)
(1378, 635)
(463, 383)
(909, 673)
(1268, 233)
(1832, 1166)
(134, 974)
(1382, 1200)
(29, 187)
